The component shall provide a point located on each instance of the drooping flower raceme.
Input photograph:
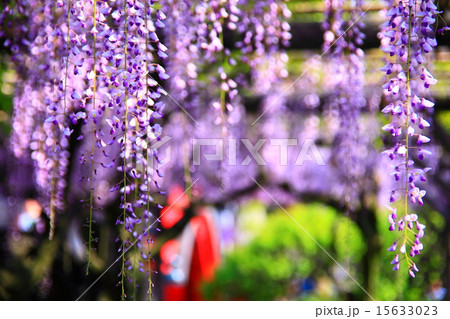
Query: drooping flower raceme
(90, 64)
(38, 121)
(407, 38)
(342, 42)
(265, 33)
(198, 34)
(130, 65)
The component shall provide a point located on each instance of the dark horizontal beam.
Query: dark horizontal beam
(319, 7)
(296, 104)
(309, 35)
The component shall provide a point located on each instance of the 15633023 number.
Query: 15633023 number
(407, 310)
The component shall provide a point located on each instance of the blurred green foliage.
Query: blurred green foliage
(389, 285)
(284, 259)
(443, 118)
(282, 254)
(7, 79)
(28, 269)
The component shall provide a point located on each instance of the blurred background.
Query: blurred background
(227, 238)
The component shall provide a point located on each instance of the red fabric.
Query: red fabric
(177, 202)
(173, 292)
(205, 259)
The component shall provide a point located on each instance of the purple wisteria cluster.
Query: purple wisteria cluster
(92, 65)
(183, 65)
(408, 37)
(265, 34)
(215, 18)
(90, 99)
(199, 34)
(268, 37)
(342, 45)
(198, 42)
(38, 123)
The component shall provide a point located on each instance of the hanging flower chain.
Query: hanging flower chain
(92, 64)
(408, 37)
(342, 41)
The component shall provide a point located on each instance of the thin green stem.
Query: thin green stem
(404, 238)
(408, 103)
(147, 177)
(91, 175)
(54, 168)
(222, 108)
(222, 92)
(187, 169)
(125, 153)
(69, 5)
(52, 206)
(135, 282)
